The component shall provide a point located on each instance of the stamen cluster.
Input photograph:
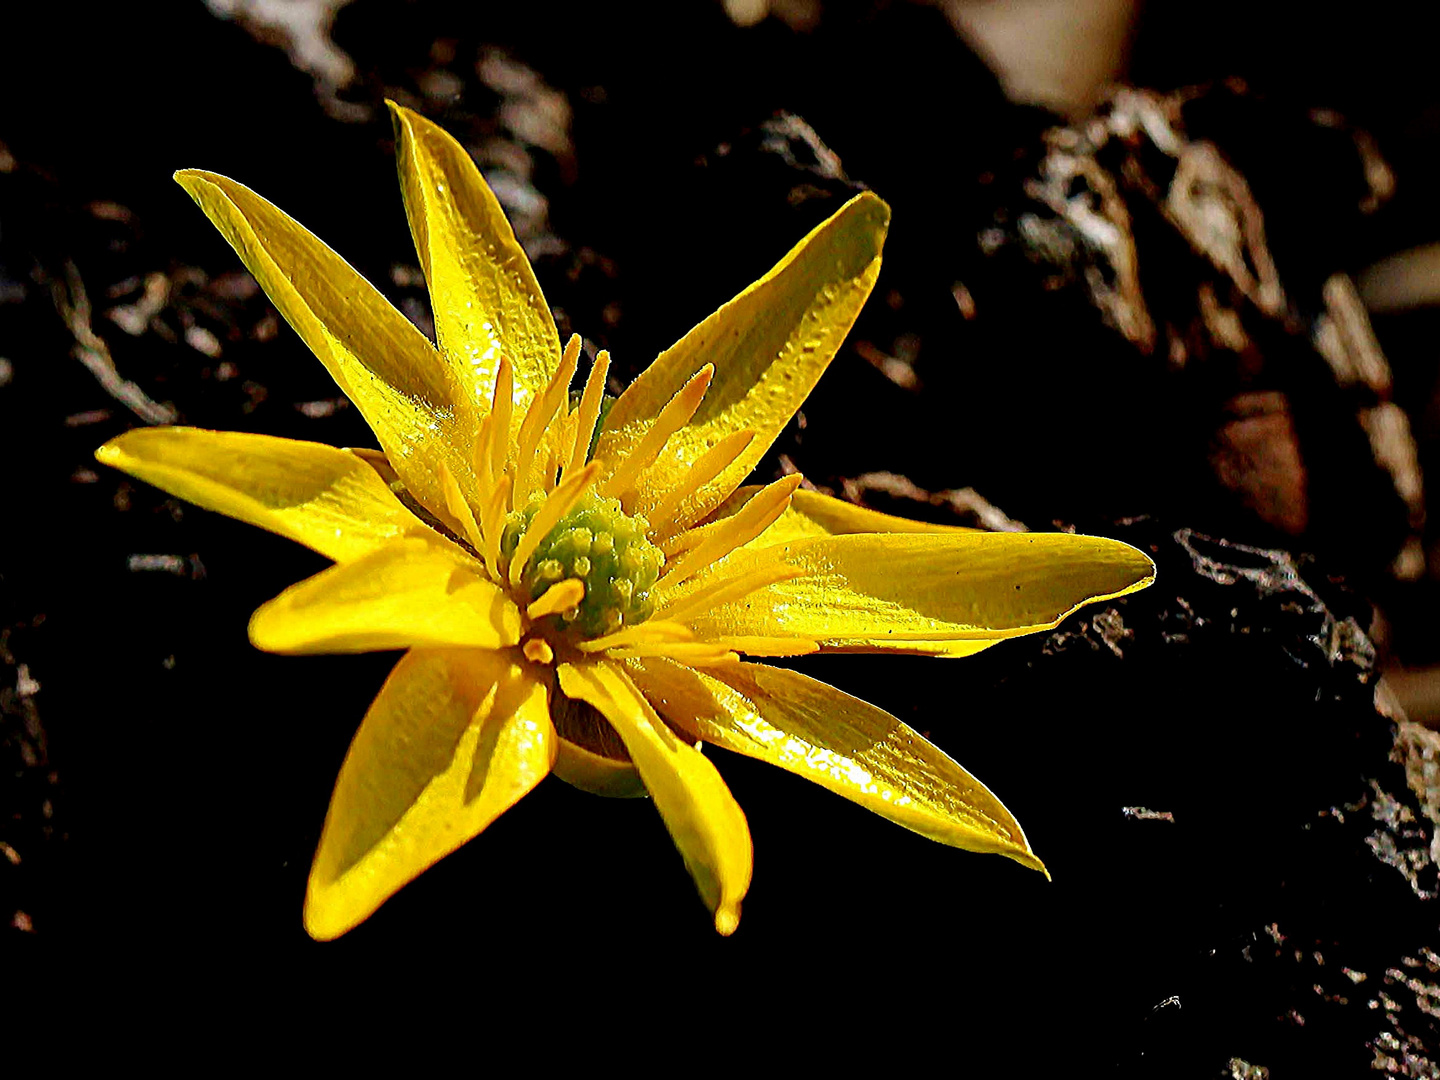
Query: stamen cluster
(600, 545)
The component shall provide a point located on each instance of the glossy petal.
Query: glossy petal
(812, 514)
(483, 294)
(704, 820)
(839, 742)
(408, 594)
(454, 739)
(327, 499)
(769, 345)
(376, 356)
(908, 592)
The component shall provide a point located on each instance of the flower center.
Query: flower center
(601, 546)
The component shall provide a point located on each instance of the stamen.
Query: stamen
(698, 653)
(493, 438)
(556, 599)
(682, 542)
(654, 631)
(589, 411)
(757, 515)
(557, 504)
(460, 509)
(674, 416)
(559, 449)
(753, 645)
(492, 515)
(727, 589)
(538, 651)
(694, 536)
(537, 420)
(710, 465)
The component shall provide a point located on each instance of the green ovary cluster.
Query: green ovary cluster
(603, 547)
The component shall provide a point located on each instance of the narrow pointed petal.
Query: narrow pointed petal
(409, 594)
(839, 742)
(707, 826)
(811, 514)
(483, 293)
(908, 592)
(769, 346)
(376, 356)
(454, 739)
(327, 499)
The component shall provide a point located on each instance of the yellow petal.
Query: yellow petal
(454, 739)
(592, 756)
(812, 514)
(410, 593)
(909, 591)
(324, 498)
(769, 345)
(596, 774)
(376, 356)
(707, 826)
(839, 742)
(483, 294)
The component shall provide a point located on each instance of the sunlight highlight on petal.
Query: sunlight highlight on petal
(769, 345)
(319, 496)
(839, 742)
(410, 593)
(376, 356)
(904, 590)
(483, 293)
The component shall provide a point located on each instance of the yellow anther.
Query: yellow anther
(711, 464)
(589, 411)
(460, 509)
(674, 416)
(757, 515)
(537, 420)
(538, 651)
(493, 440)
(557, 598)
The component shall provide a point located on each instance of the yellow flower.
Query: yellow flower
(581, 613)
